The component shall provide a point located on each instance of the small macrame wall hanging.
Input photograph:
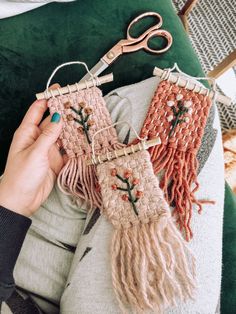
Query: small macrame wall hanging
(83, 111)
(178, 116)
(152, 267)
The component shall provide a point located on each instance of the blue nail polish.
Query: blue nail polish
(56, 117)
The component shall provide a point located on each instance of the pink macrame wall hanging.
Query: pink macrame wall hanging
(83, 112)
(152, 267)
(178, 116)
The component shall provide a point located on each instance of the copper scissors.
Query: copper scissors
(131, 44)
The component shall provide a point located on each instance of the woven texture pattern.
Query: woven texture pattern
(162, 118)
(95, 116)
(119, 211)
(212, 33)
(178, 116)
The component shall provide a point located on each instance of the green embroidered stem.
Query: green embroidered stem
(83, 120)
(174, 124)
(119, 177)
(133, 201)
(86, 118)
(128, 189)
(182, 110)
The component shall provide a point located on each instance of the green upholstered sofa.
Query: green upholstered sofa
(34, 43)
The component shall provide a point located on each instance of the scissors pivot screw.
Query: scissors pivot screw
(110, 55)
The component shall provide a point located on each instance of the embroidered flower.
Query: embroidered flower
(170, 118)
(125, 197)
(170, 103)
(82, 104)
(179, 97)
(188, 103)
(127, 174)
(88, 110)
(139, 194)
(114, 187)
(70, 117)
(67, 105)
(113, 172)
(80, 130)
(91, 122)
(136, 181)
(186, 119)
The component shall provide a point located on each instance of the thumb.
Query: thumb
(50, 133)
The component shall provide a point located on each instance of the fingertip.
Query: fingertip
(55, 86)
(50, 133)
(40, 103)
(56, 117)
(43, 102)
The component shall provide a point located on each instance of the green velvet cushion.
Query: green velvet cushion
(34, 43)
(228, 295)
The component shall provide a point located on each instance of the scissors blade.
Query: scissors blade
(96, 70)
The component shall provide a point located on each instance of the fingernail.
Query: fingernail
(56, 117)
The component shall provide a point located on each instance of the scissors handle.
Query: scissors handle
(144, 43)
(131, 44)
(152, 28)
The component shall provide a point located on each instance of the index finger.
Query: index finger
(36, 111)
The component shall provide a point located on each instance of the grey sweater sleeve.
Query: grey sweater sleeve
(13, 229)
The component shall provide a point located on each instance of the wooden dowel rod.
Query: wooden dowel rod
(191, 85)
(123, 151)
(189, 5)
(222, 67)
(73, 88)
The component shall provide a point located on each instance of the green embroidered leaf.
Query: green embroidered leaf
(86, 118)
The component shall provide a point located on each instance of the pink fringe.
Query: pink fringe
(79, 180)
(151, 266)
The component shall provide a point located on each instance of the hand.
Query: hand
(33, 162)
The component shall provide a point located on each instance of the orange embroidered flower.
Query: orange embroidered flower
(113, 172)
(70, 117)
(139, 194)
(82, 104)
(114, 187)
(125, 197)
(80, 130)
(67, 105)
(127, 174)
(91, 122)
(136, 181)
(88, 110)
